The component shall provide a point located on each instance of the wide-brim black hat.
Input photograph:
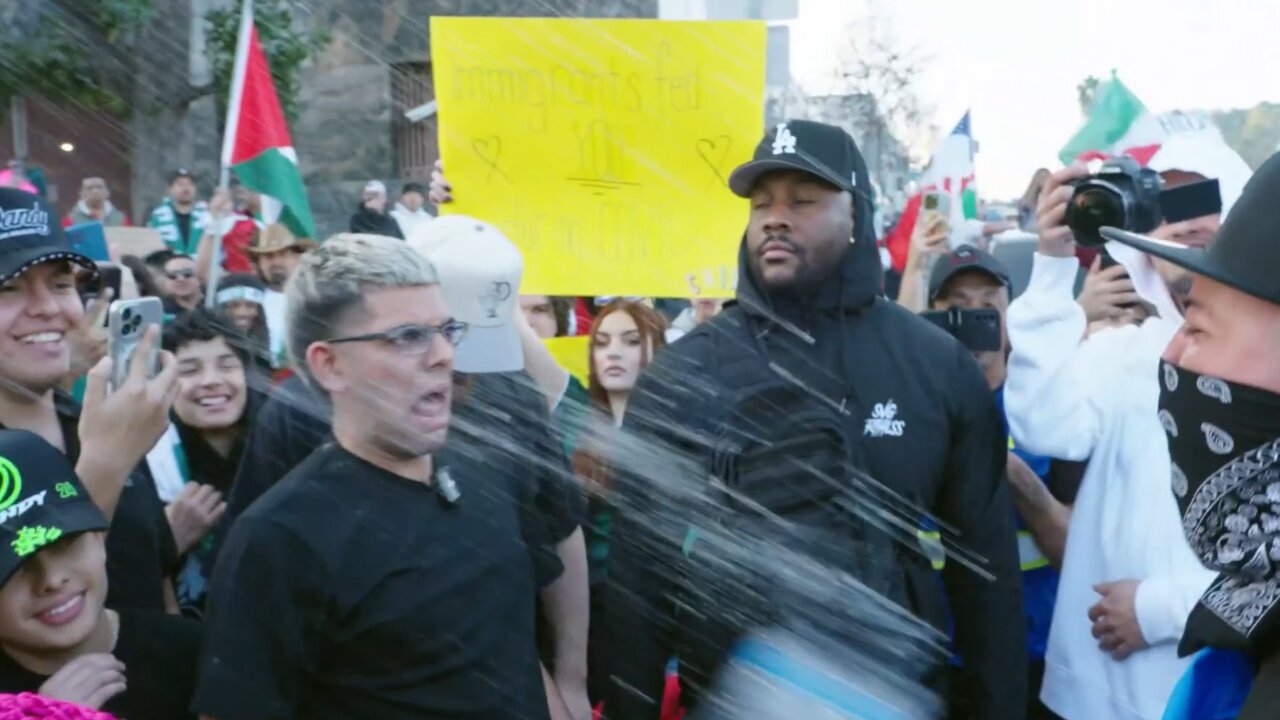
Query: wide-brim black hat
(1246, 254)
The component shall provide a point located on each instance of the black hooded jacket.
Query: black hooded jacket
(373, 222)
(916, 415)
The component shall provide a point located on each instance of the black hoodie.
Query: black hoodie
(917, 416)
(372, 222)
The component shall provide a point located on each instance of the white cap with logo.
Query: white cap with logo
(479, 271)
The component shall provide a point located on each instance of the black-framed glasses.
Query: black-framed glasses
(412, 339)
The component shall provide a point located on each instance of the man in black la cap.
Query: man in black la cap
(1220, 408)
(811, 337)
(57, 638)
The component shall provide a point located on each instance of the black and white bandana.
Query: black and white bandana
(1224, 444)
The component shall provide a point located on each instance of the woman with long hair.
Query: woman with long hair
(625, 335)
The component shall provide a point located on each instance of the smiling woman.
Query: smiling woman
(56, 637)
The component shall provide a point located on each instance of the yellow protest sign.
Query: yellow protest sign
(603, 147)
(572, 354)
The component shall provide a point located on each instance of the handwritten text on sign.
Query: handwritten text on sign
(603, 147)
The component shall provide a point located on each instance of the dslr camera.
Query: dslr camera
(1127, 196)
(1121, 194)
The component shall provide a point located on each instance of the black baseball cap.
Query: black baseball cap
(41, 499)
(181, 173)
(824, 151)
(1246, 254)
(965, 258)
(30, 234)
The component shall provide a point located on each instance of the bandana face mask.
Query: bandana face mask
(1224, 444)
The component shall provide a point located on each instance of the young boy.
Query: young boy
(56, 637)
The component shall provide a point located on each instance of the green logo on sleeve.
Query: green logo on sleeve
(10, 483)
(31, 539)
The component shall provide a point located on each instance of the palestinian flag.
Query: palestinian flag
(950, 171)
(257, 146)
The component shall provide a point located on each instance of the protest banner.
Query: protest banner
(602, 148)
(138, 241)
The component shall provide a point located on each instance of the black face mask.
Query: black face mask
(1224, 444)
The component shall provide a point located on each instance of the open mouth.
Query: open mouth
(41, 338)
(213, 401)
(433, 404)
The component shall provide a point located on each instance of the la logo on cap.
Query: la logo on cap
(783, 141)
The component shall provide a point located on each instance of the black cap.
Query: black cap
(965, 258)
(30, 234)
(1247, 251)
(824, 151)
(181, 173)
(414, 187)
(41, 499)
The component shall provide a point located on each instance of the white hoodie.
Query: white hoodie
(410, 221)
(1096, 399)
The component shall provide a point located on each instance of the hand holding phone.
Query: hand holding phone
(127, 323)
(978, 330)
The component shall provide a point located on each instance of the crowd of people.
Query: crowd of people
(357, 483)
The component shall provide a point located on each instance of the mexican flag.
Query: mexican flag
(1118, 123)
(950, 171)
(257, 146)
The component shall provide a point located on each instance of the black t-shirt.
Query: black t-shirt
(349, 592)
(141, 551)
(159, 653)
(506, 412)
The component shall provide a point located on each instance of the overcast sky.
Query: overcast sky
(1016, 63)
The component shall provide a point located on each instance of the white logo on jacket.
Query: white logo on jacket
(882, 421)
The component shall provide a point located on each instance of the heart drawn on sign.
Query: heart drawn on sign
(715, 152)
(489, 150)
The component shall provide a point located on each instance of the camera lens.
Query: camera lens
(1092, 208)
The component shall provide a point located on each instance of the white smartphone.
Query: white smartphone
(127, 322)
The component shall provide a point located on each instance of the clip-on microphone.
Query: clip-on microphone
(446, 489)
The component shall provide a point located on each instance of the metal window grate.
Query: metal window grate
(415, 142)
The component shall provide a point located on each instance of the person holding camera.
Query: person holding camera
(1128, 578)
